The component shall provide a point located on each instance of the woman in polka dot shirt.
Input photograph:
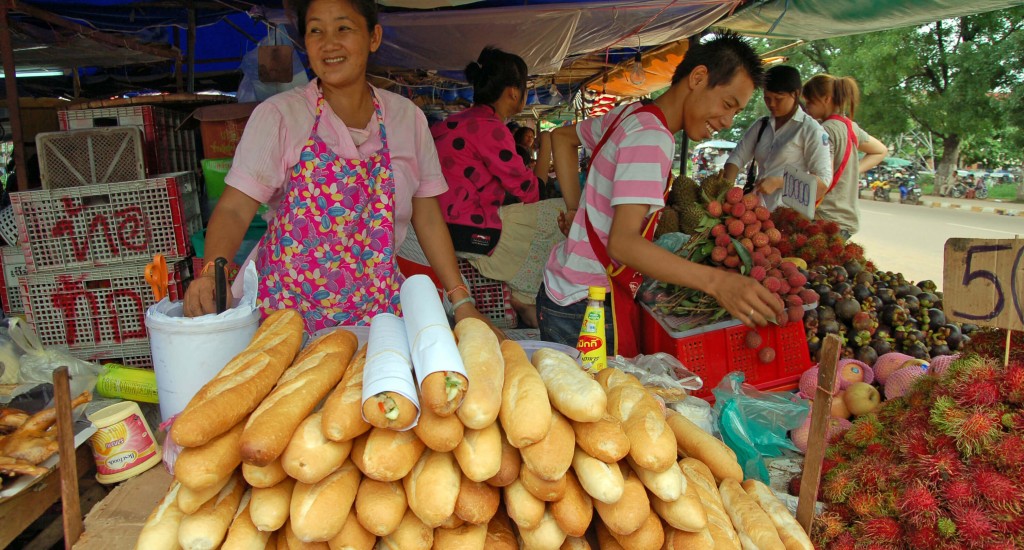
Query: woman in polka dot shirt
(492, 205)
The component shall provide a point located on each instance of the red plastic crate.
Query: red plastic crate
(12, 266)
(95, 308)
(712, 354)
(493, 298)
(166, 147)
(107, 224)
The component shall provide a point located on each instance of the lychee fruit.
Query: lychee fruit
(773, 284)
(748, 244)
(718, 229)
(751, 201)
(734, 195)
(759, 258)
(718, 254)
(796, 280)
(715, 209)
(766, 355)
(735, 228)
(796, 313)
(794, 300)
(758, 273)
(809, 296)
(760, 240)
(763, 214)
(774, 235)
(768, 224)
(753, 339)
(738, 210)
(726, 208)
(723, 239)
(750, 218)
(732, 261)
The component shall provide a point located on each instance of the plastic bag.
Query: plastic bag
(10, 361)
(754, 423)
(39, 362)
(250, 88)
(661, 373)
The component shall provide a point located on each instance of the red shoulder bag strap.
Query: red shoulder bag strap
(851, 141)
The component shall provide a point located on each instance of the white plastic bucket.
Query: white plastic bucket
(188, 352)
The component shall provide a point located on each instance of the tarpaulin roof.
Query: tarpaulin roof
(816, 19)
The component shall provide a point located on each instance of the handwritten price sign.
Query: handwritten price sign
(799, 190)
(983, 282)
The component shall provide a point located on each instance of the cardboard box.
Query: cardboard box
(115, 523)
(221, 126)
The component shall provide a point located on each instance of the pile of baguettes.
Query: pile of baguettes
(532, 452)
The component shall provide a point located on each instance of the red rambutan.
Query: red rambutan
(865, 431)
(925, 537)
(1013, 384)
(838, 486)
(972, 524)
(1009, 452)
(800, 240)
(957, 491)
(866, 504)
(812, 230)
(981, 392)
(918, 505)
(830, 228)
(828, 525)
(882, 531)
(845, 541)
(1000, 491)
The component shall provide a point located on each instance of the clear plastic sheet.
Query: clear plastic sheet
(662, 373)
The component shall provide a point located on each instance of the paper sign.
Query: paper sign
(983, 282)
(799, 190)
(431, 342)
(388, 366)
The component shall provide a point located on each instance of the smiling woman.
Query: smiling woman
(345, 168)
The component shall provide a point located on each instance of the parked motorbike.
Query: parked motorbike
(880, 191)
(910, 193)
(979, 191)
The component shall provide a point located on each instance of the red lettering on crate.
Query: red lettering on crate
(132, 231)
(66, 298)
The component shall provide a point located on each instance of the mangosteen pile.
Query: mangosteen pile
(875, 312)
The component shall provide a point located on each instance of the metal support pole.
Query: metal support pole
(13, 102)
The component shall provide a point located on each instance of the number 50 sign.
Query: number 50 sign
(983, 282)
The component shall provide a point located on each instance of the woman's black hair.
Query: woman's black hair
(366, 8)
(783, 79)
(520, 133)
(494, 71)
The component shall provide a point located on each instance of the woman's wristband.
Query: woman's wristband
(463, 302)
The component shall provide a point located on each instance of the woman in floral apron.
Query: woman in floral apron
(345, 168)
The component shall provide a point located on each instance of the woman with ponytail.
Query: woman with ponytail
(833, 102)
(493, 208)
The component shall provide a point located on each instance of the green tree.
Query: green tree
(955, 79)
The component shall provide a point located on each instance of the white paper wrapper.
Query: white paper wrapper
(388, 365)
(431, 341)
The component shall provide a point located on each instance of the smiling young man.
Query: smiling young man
(633, 147)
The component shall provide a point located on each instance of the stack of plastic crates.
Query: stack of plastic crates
(12, 267)
(166, 147)
(85, 250)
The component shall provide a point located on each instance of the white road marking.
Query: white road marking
(877, 213)
(983, 229)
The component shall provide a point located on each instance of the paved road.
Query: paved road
(910, 239)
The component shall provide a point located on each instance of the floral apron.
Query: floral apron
(329, 253)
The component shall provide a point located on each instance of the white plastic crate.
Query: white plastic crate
(13, 267)
(91, 308)
(134, 354)
(84, 157)
(8, 225)
(108, 224)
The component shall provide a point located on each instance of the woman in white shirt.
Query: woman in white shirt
(787, 137)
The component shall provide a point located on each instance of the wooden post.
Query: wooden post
(816, 443)
(68, 469)
(13, 102)
(191, 45)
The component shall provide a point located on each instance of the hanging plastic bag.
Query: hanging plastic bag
(250, 88)
(754, 423)
(39, 362)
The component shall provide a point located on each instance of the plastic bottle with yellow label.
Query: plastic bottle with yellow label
(591, 344)
(127, 383)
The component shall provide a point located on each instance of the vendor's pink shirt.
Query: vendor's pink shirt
(278, 130)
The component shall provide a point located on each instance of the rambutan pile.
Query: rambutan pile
(818, 242)
(944, 472)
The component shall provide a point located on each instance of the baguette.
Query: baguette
(720, 526)
(452, 522)
(792, 534)
(432, 487)
(603, 439)
(205, 529)
(650, 535)
(755, 528)
(575, 510)
(288, 539)
(605, 540)
(477, 502)
(439, 433)
(651, 442)
(511, 462)
(629, 513)
(380, 506)
(694, 442)
(686, 513)
(300, 389)
(683, 540)
(443, 392)
(160, 532)
(387, 455)
(523, 508)
(352, 537)
(546, 536)
(479, 453)
(318, 512)
(525, 411)
(203, 467)
(551, 457)
(243, 534)
(667, 486)
(270, 506)
(390, 410)
(309, 456)
(603, 482)
(485, 369)
(570, 389)
(264, 476)
(575, 543)
(465, 537)
(500, 535)
(243, 383)
(190, 501)
(342, 412)
(548, 491)
(412, 534)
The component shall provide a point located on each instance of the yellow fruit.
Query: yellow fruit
(799, 262)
